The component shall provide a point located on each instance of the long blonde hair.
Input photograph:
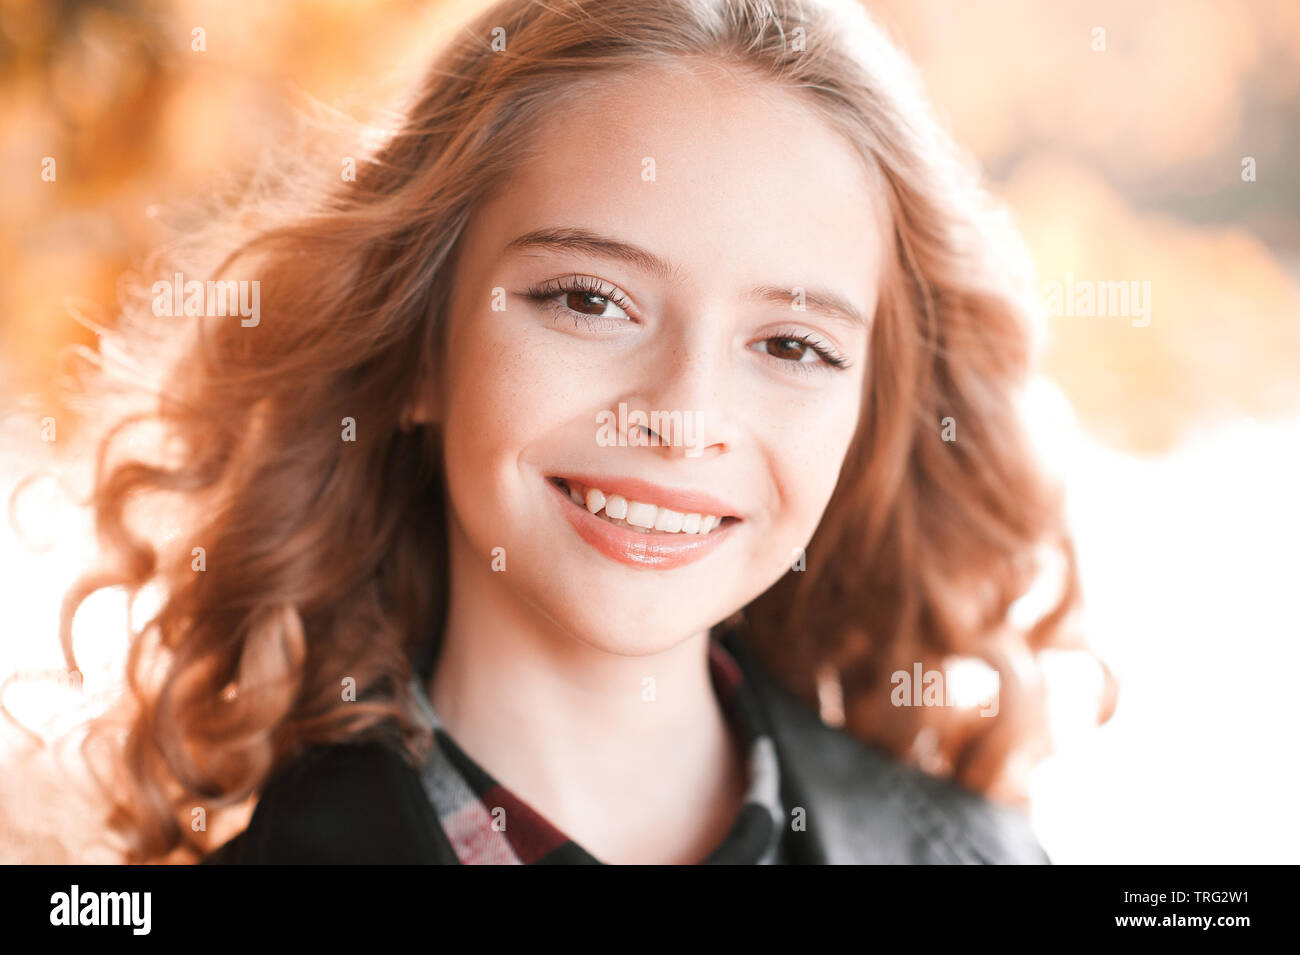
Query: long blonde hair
(325, 559)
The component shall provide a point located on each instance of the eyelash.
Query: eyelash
(546, 293)
(823, 350)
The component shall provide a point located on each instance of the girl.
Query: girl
(601, 463)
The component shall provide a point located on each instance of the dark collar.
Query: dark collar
(863, 806)
(363, 802)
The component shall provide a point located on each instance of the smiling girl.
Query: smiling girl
(441, 617)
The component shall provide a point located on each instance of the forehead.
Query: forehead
(708, 169)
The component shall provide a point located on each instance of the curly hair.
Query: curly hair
(294, 561)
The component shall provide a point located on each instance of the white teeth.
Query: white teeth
(669, 521)
(642, 516)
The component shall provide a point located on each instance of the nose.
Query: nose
(687, 396)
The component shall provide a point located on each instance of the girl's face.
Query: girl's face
(653, 259)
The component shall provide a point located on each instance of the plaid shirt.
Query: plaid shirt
(465, 795)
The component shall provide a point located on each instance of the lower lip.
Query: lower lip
(657, 551)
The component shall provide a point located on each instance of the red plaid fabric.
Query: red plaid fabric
(473, 808)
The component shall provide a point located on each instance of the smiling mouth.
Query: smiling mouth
(639, 516)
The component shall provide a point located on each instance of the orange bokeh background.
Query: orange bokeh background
(1179, 439)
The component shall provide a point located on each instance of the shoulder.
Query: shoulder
(879, 809)
(886, 810)
(863, 806)
(960, 825)
(356, 802)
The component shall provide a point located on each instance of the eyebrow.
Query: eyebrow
(591, 243)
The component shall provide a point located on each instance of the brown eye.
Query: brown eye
(801, 353)
(584, 298)
(787, 349)
(587, 303)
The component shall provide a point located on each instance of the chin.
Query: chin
(632, 641)
(629, 618)
(632, 645)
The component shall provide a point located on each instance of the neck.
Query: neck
(630, 756)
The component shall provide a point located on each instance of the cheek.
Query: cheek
(479, 401)
(508, 390)
(480, 385)
(810, 445)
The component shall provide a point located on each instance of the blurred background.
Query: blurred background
(1156, 143)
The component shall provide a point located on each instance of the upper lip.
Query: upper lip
(683, 499)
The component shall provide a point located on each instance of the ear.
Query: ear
(421, 409)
